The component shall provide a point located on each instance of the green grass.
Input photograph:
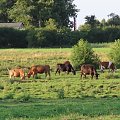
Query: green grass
(60, 109)
(64, 97)
(63, 86)
(11, 58)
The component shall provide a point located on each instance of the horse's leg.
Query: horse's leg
(67, 71)
(92, 76)
(56, 71)
(59, 72)
(82, 75)
(45, 74)
(34, 74)
(49, 74)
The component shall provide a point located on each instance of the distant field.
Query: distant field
(61, 98)
(28, 57)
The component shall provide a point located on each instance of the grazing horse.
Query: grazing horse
(88, 69)
(39, 69)
(107, 65)
(65, 67)
(16, 72)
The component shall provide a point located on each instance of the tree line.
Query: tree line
(12, 38)
(48, 24)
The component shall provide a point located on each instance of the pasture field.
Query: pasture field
(64, 97)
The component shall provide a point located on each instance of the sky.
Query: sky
(100, 8)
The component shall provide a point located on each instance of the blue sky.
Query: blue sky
(100, 8)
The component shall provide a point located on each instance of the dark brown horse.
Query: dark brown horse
(88, 69)
(65, 67)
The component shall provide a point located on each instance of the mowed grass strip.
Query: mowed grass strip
(64, 109)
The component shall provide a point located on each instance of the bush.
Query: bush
(12, 38)
(41, 38)
(115, 52)
(83, 53)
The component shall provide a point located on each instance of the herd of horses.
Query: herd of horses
(85, 69)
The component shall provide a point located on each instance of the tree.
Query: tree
(37, 12)
(91, 20)
(62, 11)
(51, 24)
(82, 53)
(114, 20)
(4, 6)
(21, 12)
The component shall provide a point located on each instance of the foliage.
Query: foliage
(52, 37)
(99, 34)
(83, 53)
(24, 8)
(114, 20)
(115, 52)
(41, 38)
(91, 20)
(12, 38)
(51, 24)
(5, 5)
(36, 13)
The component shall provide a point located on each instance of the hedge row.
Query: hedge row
(12, 38)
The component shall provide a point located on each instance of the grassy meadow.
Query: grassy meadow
(64, 97)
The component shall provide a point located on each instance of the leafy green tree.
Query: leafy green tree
(21, 12)
(62, 11)
(4, 6)
(37, 12)
(85, 27)
(83, 53)
(51, 24)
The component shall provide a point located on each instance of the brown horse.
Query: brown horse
(88, 69)
(39, 69)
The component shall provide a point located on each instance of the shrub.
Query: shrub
(83, 53)
(12, 38)
(115, 52)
